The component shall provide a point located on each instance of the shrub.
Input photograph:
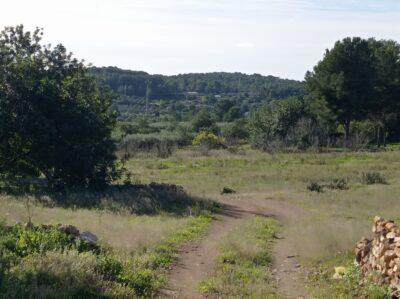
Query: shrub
(160, 145)
(203, 121)
(25, 241)
(315, 187)
(339, 184)
(227, 190)
(143, 281)
(60, 270)
(109, 266)
(373, 177)
(235, 132)
(270, 125)
(208, 140)
(335, 184)
(141, 127)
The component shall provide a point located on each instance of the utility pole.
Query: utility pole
(147, 96)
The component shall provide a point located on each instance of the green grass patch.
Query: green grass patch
(323, 285)
(242, 267)
(42, 263)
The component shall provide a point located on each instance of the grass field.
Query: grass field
(135, 250)
(339, 215)
(241, 267)
(286, 177)
(353, 188)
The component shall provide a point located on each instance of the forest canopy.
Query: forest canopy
(142, 93)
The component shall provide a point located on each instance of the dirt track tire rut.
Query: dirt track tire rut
(197, 259)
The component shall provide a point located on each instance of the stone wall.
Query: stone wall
(379, 258)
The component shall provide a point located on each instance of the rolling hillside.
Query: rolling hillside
(141, 93)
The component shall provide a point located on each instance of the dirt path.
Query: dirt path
(198, 259)
(290, 274)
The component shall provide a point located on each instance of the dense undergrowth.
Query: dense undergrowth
(242, 267)
(36, 262)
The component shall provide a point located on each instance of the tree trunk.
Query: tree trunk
(49, 175)
(346, 133)
(384, 135)
(378, 143)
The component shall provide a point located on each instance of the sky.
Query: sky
(283, 38)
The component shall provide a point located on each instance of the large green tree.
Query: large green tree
(203, 121)
(55, 120)
(270, 125)
(344, 82)
(386, 106)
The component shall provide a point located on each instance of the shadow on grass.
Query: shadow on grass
(134, 199)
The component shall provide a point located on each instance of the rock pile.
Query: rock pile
(379, 258)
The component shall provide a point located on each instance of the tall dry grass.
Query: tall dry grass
(121, 231)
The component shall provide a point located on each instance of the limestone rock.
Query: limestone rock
(89, 237)
(381, 255)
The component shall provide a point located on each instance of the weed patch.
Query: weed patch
(36, 262)
(323, 285)
(338, 184)
(373, 177)
(335, 184)
(241, 270)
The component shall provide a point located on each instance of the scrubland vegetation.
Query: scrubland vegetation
(74, 152)
(339, 216)
(37, 262)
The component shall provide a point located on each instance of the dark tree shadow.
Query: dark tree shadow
(153, 198)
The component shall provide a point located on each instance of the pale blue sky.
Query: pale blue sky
(272, 37)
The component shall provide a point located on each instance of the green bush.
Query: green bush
(208, 140)
(162, 145)
(143, 281)
(227, 190)
(203, 121)
(42, 262)
(109, 266)
(23, 241)
(335, 184)
(235, 132)
(315, 187)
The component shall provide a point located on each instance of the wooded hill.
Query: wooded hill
(184, 93)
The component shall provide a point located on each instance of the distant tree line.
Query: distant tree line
(140, 91)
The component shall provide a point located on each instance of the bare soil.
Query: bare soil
(197, 259)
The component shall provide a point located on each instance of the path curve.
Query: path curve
(197, 259)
